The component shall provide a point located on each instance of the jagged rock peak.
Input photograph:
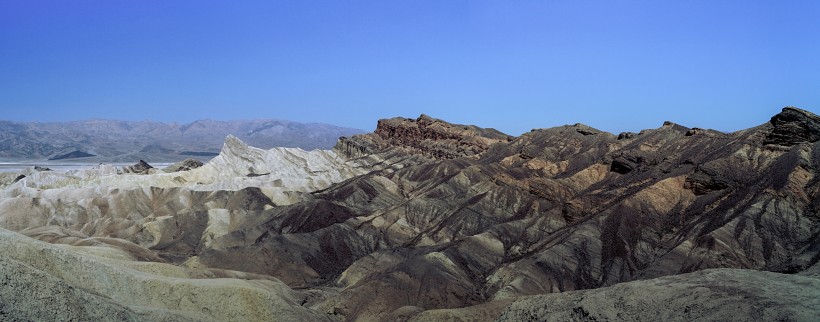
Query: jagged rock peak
(674, 126)
(238, 155)
(356, 146)
(141, 167)
(184, 165)
(696, 131)
(235, 148)
(233, 143)
(425, 117)
(586, 129)
(793, 125)
(437, 138)
(434, 128)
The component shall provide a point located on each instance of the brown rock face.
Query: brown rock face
(438, 139)
(184, 165)
(793, 126)
(141, 167)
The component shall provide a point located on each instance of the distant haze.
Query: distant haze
(614, 65)
(130, 141)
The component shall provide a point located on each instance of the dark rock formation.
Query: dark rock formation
(141, 167)
(184, 165)
(355, 147)
(793, 126)
(624, 164)
(705, 180)
(156, 148)
(626, 135)
(706, 132)
(436, 138)
(72, 155)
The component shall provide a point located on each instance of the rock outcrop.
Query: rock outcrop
(46, 282)
(793, 126)
(426, 136)
(140, 167)
(184, 165)
(708, 295)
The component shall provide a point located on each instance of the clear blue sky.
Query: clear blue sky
(513, 65)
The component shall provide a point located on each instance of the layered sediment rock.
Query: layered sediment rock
(184, 165)
(427, 136)
(140, 167)
(793, 126)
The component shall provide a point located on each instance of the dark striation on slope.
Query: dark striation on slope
(140, 167)
(793, 126)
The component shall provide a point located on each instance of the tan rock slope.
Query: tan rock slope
(429, 220)
(707, 295)
(47, 282)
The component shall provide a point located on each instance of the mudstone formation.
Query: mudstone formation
(423, 220)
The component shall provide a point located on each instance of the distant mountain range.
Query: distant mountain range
(126, 141)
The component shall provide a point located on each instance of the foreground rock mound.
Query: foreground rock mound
(46, 282)
(708, 295)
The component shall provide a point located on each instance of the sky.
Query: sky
(512, 65)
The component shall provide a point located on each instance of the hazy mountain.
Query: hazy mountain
(110, 140)
(428, 221)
